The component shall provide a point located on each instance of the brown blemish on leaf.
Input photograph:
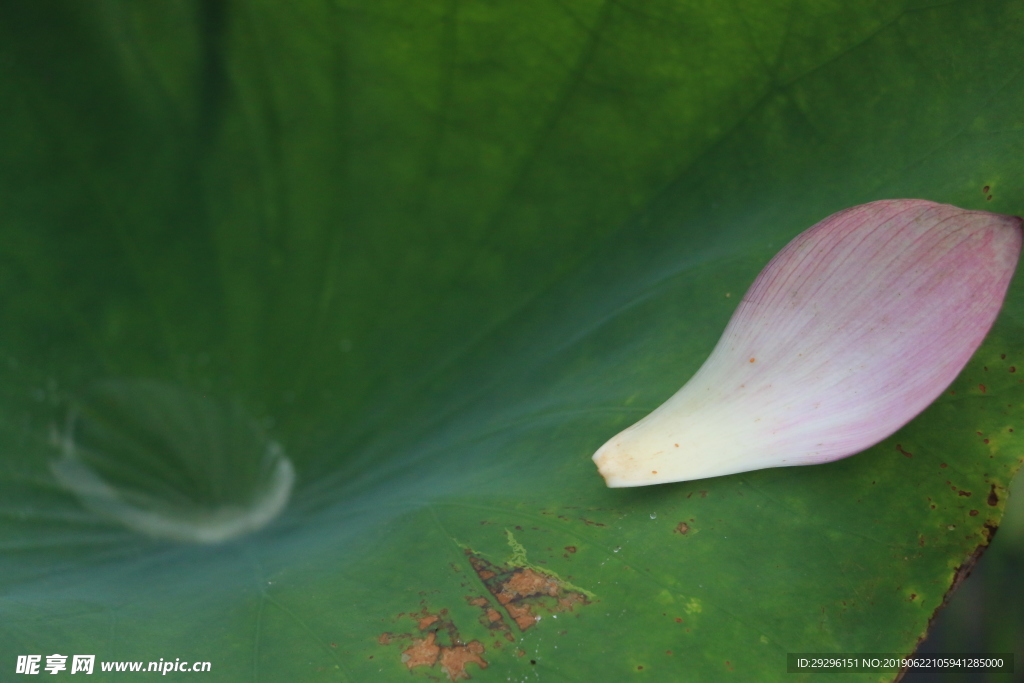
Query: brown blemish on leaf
(906, 453)
(524, 591)
(993, 497)
(682, 528)
(530, 582)
(440, 645)
(491, 619)
(570, 549)
(454, 659)
(424, 652)
(572, 599)
(522, 615)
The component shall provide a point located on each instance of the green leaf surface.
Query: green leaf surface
(439, 252)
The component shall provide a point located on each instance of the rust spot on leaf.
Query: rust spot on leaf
(682, 528)
(993, 497)
(438, 644)
(455, 659)
(525, 591)
(492, 619)
(520, 590)
(424, 652)
(906, 453)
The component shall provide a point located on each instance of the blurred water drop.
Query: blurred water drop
(171, 463)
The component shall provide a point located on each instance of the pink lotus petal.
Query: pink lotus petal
(852, 330)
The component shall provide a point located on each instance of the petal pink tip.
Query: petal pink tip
(854, 328)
